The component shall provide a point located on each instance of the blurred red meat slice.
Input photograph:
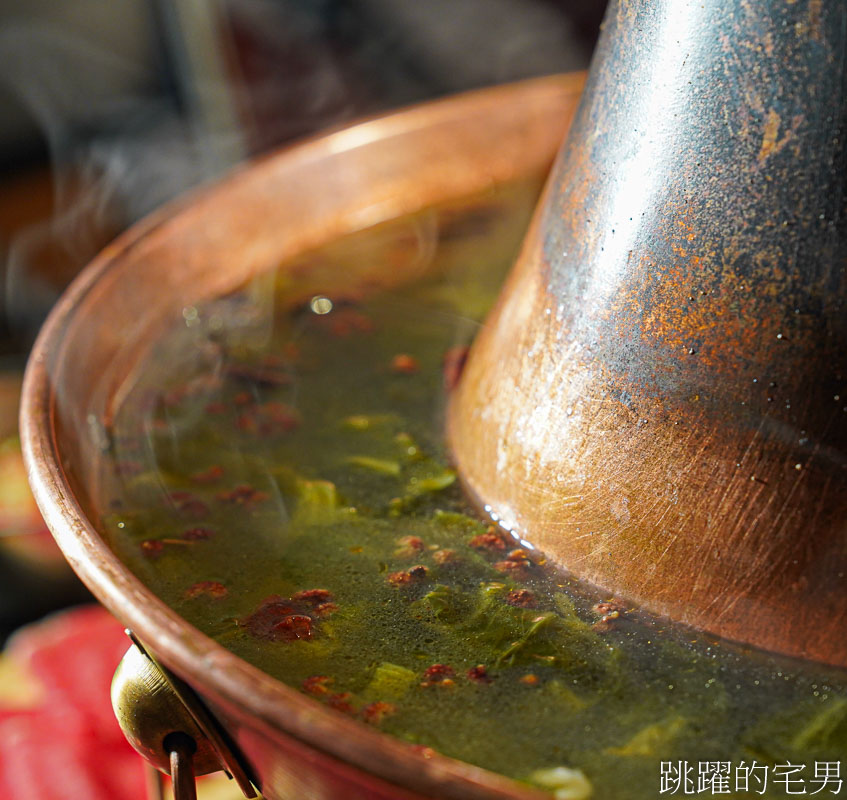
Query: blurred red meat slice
(69, 745)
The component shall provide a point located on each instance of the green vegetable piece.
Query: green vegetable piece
(823, 729)
(652, 740)
(364, 422)
(381, 465)
(410, 447)
(565, 783)
(537, 627)
(390, 681)
(563, 696)
(564, 605)
(434, 483)
(445, 603)
(453, 519)
(286, 479)
(316, 500)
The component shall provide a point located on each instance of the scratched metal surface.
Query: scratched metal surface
(659, 401)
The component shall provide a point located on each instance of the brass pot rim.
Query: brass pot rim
(224, 677)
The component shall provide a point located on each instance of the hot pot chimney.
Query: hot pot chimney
(659, 400)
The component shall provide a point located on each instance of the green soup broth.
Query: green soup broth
(279, 477)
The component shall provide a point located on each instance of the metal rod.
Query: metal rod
(181, 748)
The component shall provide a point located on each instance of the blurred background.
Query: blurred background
(111, 109)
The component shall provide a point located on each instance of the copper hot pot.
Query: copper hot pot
(203, 247)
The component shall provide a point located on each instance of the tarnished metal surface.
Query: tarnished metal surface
(660, 401)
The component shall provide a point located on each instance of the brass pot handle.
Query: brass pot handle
(167, 723)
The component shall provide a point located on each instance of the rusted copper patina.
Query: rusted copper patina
(660, 399)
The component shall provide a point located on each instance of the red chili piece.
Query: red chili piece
(285, 619)
(244, 495)
(197, 534)
(268, 419)
(325, 609)
(189, 505)
(318, 601)
(293, 626)
(341, 702)
(152, 548)
(516, 563)
(246, 423)
(312, 596)
(210, 475)
(212, 589)
(479, 674)
(408, 576)
(488, 541)
(376, 712)
(610, 611)
(263, 621)
(409, 546)
(317, 685)
(521, 598)
(608, 607)
(404, 364)
(439, 675)
(442, 557)
(281, 416)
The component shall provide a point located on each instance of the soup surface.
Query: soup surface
(278, 475)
